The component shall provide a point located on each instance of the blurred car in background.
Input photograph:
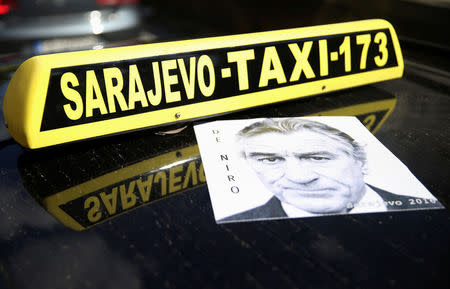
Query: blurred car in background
(46, 26)
(32, 27)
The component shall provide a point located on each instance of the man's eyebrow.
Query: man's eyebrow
(261, 154)
(314, 154)
(309, 154)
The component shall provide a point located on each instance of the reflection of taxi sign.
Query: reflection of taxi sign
(126, 189)
(65, 97)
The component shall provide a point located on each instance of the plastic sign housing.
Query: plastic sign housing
(59, 98)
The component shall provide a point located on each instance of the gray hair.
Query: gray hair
(285, 126)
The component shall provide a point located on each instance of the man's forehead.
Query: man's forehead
(301, 141)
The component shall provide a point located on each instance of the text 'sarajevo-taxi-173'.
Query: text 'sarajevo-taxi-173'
(59, 98)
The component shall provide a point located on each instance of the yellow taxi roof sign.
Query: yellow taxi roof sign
(59, 98)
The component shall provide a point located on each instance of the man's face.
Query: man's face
(308, 170)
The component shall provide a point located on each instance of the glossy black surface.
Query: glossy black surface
(175, 242)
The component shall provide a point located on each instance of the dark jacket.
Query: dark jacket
(393, 202)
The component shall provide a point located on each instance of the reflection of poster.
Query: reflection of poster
(303, 167)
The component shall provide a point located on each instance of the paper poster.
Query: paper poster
(261, 169)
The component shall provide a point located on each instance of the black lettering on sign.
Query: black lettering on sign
(90, 93)
(134, 192)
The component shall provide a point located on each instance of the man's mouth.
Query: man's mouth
(312, 193)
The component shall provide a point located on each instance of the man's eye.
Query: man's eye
(319, 158)
(270, 160)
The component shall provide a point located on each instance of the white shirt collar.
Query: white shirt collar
(370, 202)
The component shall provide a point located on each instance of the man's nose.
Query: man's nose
(300, 172)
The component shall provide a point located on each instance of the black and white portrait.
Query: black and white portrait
(303, 167)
